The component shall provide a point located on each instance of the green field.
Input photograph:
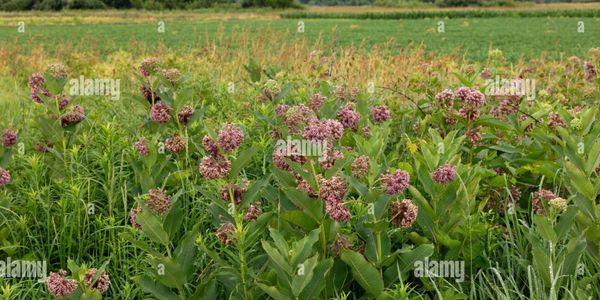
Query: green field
(516, 37)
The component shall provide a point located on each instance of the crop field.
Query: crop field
(260, 154)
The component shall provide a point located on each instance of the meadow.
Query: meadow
(188, 182)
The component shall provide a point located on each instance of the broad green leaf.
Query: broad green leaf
(364, 273)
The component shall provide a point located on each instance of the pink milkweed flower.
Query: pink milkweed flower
(281, 152)
(158, 201)
(444, 173)
(9, 137)
(445, 98)
(316, 101)
(172, 75)
(210, 145)
(252, 213)
(214, 167)
(133, 216)
(333, 189)
(590, 71)
(555, 120)
(59, 285)
(337, 211)
(225, 233)
(238, 193)
(281, 110)
(360, 166)
(184, 114)
(395, 183)
(149, 66)
(63, 101)
(102, 282)
(159, 113)
(336, 129)
(380, 114)
(538, 197)
(316, 131)
(58, 71)
(73, 117)
(230, 137)
(348, 117)
(149, 95)
(176, 144)
(474, 135)
(4, 177)
(403, 213)
(141, 147)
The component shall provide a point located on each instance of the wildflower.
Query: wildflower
(444, 173)
(141, 147)
(102, 282)
(316, 102)
(58, 71)
(230, 137)
(225, 233)
(330, 156)
(348, 117)
(336, 129)
(238, 193)
(445, 98)
(271, 89)
(474, 135)
(360, 166)
(149, 66)
(36, 81)
(289, 151)
(559, 204)
(538, 197)
(175, 144)
(486, 73)
(172, 75)
(333, 189)
(59, 285)
(63, 101)
(304, 186)
(4, 177)
(395, 183)
(252, 213)
(133, 216)
(403, 213)
(9, 137)
(342, 92)
(366, 131)
(590, 71)
(210, 145)
(281, 110)
(554, 120)
(298, 115)
(316, 131)
(214, 167)
(43, 147)
(184, 114)
(340, 243)
(149, 94)
(159, 113)
(158, 201)
(73, 117)
(337, 211)
(380, 114)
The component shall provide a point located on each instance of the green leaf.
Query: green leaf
(301, 279)
(365, 274)
(244, 158)
(314, 287)
(154, 288)
(169, 272)
(152, 228)
(545, 228)
(273, 292)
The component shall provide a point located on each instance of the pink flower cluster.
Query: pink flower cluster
(238, 193)
(102, 282)
(149, 66)
(158, 201)
(4, 177)
(159, 113)
(73, 117)
(214, 167)
(380, 114)
(444, 173)
(538, 198)
(141, 147)
(403, 213)
(176, 144)
(230, 137)
(133, 216)
(333, 191)
(395, 183)
(360, 166)
(225, 233)
(9, 137)
(349, 117)
(59, 285)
